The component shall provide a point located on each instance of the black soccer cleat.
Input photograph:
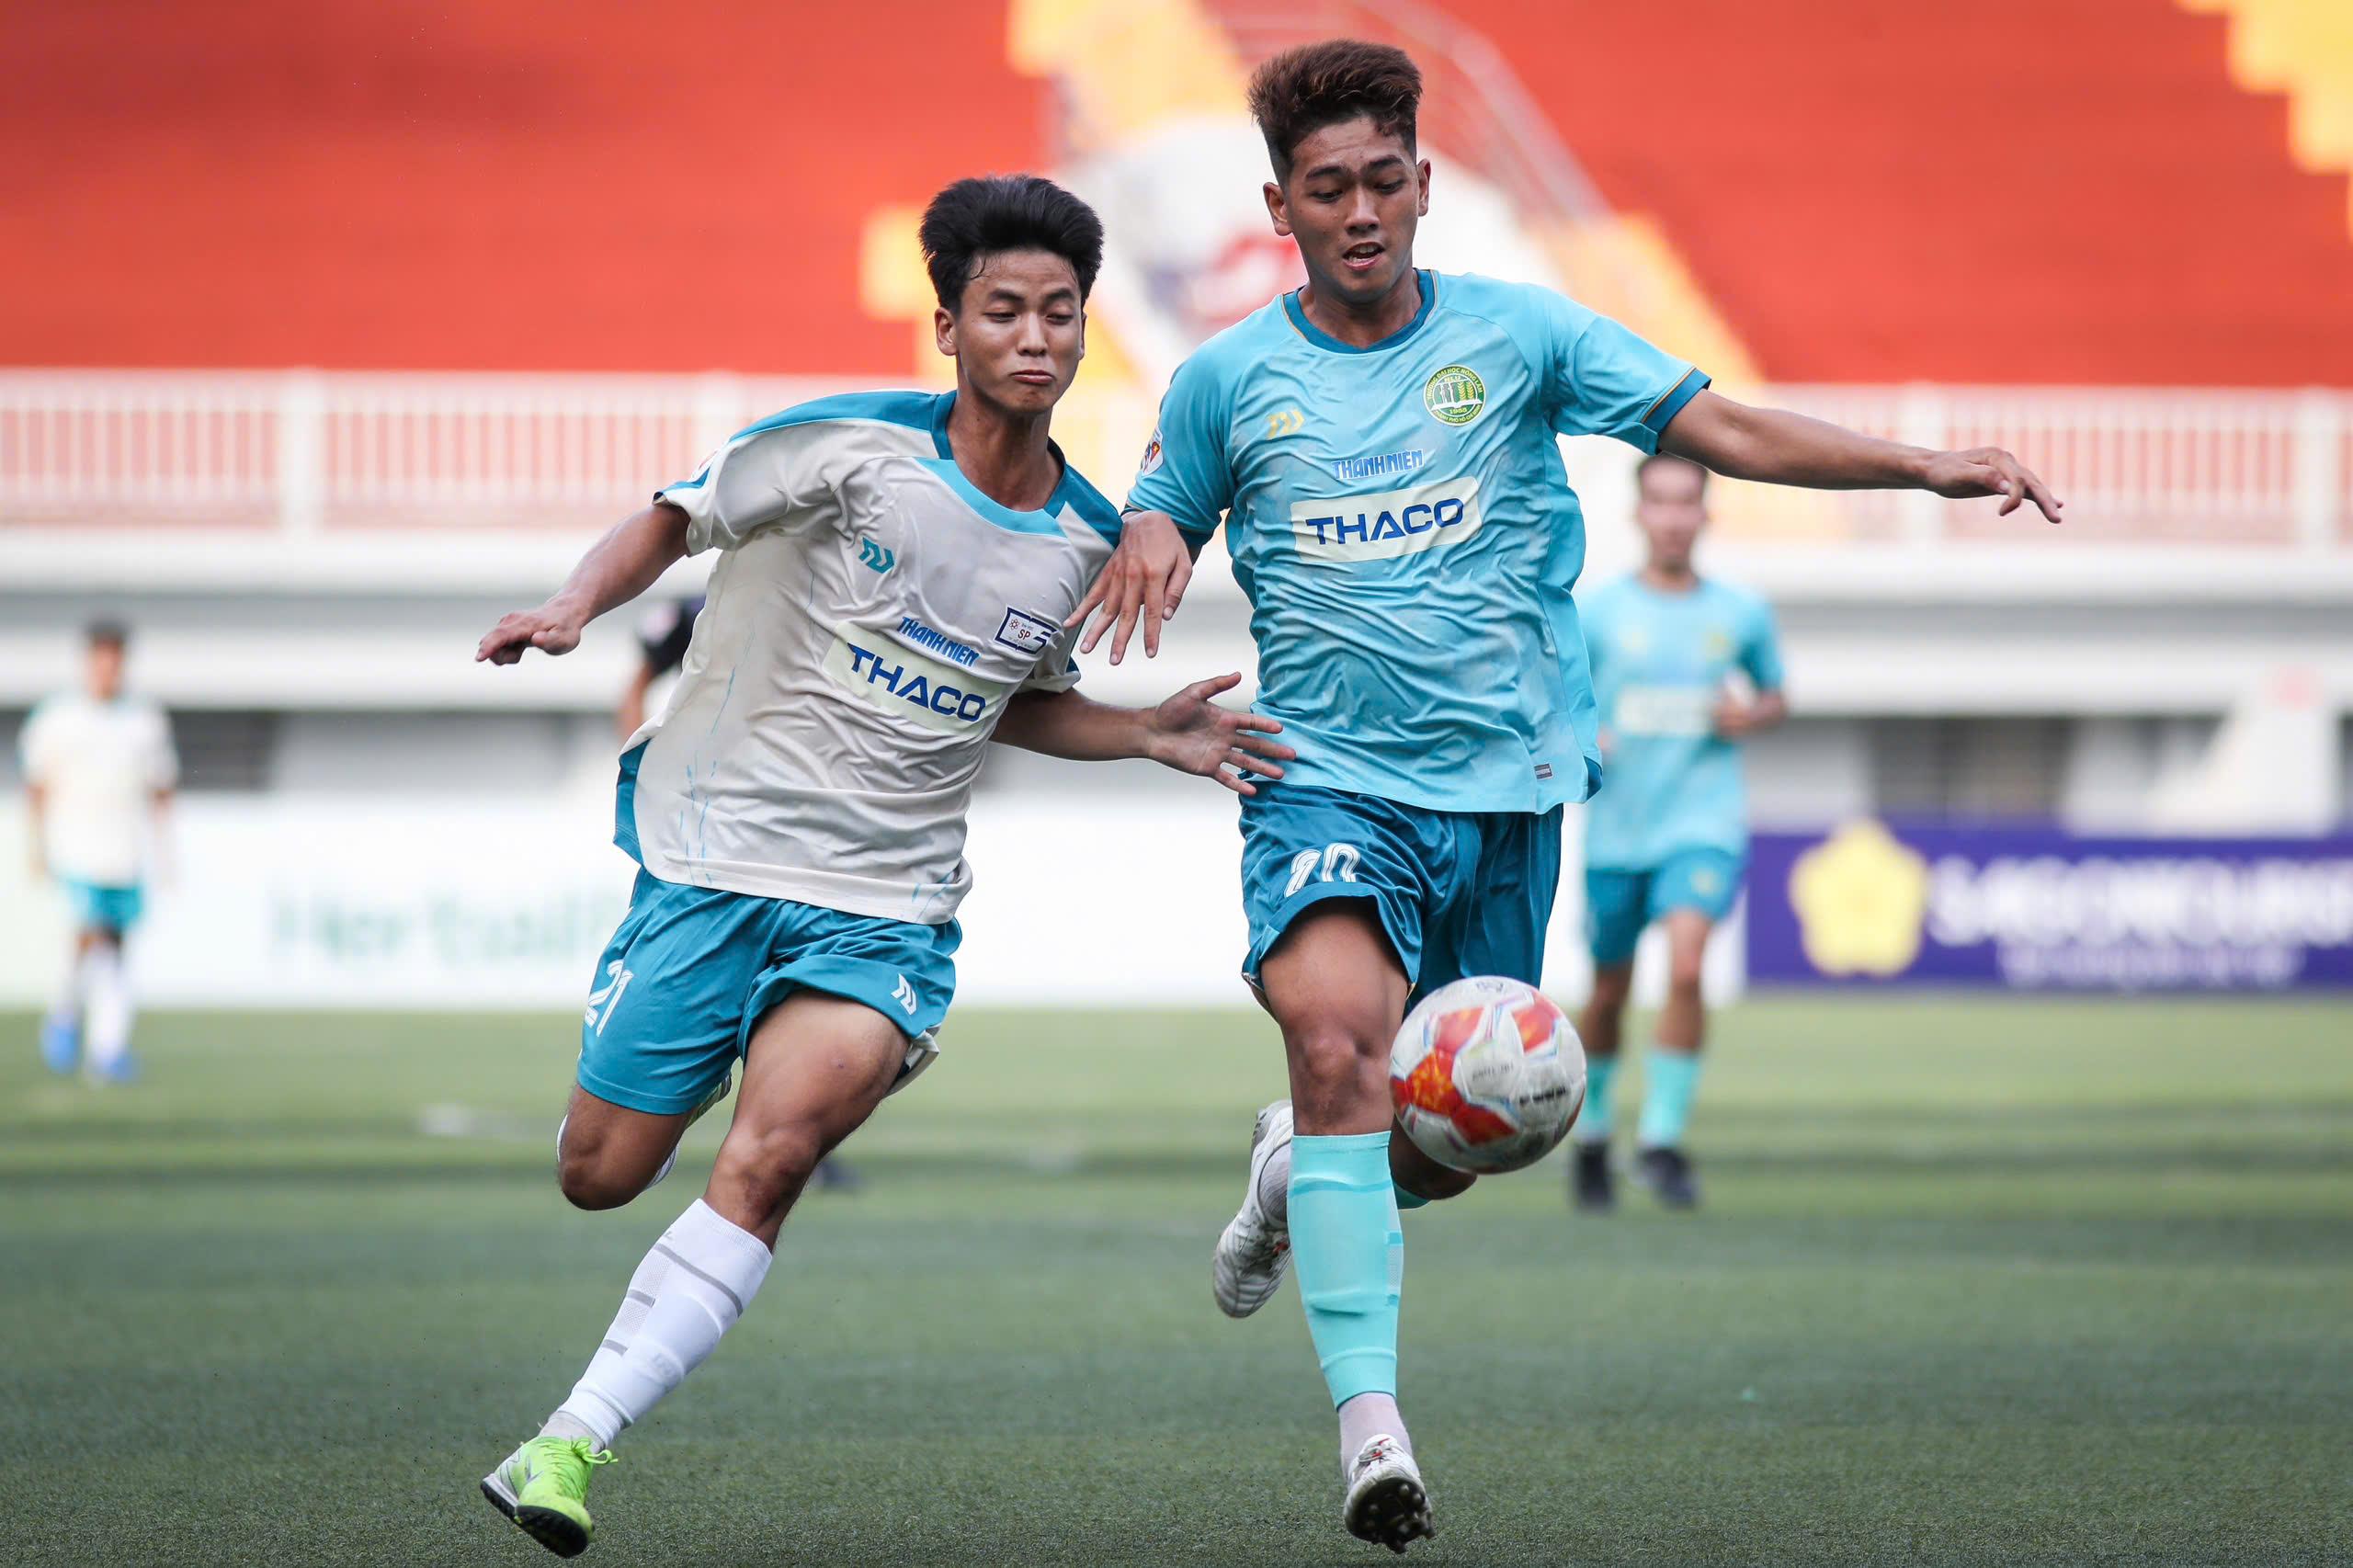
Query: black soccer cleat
(1668, 1174)
(1592, 1189)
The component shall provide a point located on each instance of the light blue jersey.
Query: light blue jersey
(1400, 520)
(1660, 664)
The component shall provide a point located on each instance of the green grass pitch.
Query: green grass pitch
(1980, 1282)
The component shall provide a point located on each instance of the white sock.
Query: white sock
(636, 1301)
(1274, 1186)
(706, 1271)
(1365, 1417)
(110, 1009)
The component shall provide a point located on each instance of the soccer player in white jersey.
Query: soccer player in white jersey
(1380, 448)
(895, 573)
(99, 771)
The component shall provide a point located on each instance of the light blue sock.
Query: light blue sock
(1671, 1079)
(1594, 1125)
(1351, 1255)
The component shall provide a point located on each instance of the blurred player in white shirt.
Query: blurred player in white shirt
(99, 770)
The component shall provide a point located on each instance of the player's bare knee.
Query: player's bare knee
(1332, 1065)
(591, 1183)
(1683, 977)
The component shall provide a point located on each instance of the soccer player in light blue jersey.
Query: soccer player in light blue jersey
(1381, 450)
(1666, 839)
(894, 572)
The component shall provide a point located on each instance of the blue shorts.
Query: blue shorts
(1619, 904)
(691, 972)
(1458, 893)
(98, 907)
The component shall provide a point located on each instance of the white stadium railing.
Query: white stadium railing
(303, 453)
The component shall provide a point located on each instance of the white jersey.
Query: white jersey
(98, 766)
(871, 615)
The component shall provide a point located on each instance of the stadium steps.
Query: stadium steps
(2303, 48)
(2006, 191)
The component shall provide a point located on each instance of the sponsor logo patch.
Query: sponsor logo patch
(1030, 633)
(1454, 396)
(888, 677)
(938, 642)
(1382, 527)
(1154, 454)
(875, 556)
(1349, 471)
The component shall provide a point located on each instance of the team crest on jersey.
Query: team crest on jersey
(1454, 396)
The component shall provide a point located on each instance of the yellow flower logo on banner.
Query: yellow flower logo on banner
(1861, 898)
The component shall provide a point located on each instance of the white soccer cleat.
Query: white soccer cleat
(1255, 1248)
(1387, 1505)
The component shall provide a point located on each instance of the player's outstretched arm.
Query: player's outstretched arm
(618, 568)
(1188, 732)
(1781, 448)
(1146, 576)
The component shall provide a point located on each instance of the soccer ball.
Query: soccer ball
(1487, 1076)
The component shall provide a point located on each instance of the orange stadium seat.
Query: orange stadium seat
(2000, 191)
(482, 184)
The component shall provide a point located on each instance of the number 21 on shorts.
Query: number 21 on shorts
(607, 996)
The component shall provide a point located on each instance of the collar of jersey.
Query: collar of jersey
(1047, 519)
(1322, 339)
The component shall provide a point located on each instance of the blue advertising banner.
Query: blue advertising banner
(1873, 904)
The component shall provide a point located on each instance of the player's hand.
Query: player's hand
(551, 629)
(1146, 576)
(1193, 735)
(1989, 470)
(1734, 717)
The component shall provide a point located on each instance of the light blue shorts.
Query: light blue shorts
(1619, 905)
(1458, 893)
(98, 907)
(691, 972)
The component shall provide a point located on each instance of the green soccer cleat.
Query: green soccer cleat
(543, 1487)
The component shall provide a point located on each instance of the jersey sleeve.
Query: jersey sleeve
(1057, 668)
(1603, 380)
(1186, 471)
(777, 474)
(1760, 650)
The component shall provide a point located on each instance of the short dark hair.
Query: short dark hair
(975, 219)
(1655, 459)
(1301, 91)
(106, 632)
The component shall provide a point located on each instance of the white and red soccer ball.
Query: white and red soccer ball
(1487, 1076)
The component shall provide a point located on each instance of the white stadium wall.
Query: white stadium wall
(286, 900)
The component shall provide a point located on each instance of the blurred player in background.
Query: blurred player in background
(663, 634)
(1382, 446)
(1684, 668)
(99, 771)
(895, 573)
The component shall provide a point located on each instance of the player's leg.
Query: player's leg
(1693, 891)
(817, 1067)
(109, 1006)
(1616, 905)
(607, 1154)
(60, 1029)
(1337, 989)
(663, 1026)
